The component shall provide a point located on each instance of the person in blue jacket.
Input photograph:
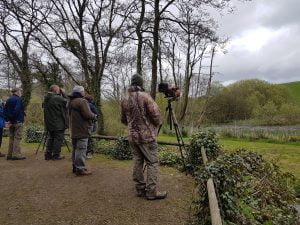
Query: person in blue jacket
(2, 124)
(14, 116)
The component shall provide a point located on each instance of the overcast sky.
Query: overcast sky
(264, 42)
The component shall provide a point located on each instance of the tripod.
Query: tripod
(173, 123)
(44, 140)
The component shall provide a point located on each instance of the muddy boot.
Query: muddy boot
(83, 172)
(154, 195)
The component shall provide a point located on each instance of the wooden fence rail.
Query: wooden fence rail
(212, 197)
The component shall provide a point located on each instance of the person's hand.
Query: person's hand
(8, 124)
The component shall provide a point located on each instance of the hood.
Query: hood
(48, 96)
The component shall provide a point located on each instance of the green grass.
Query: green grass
(286, 155)
(294, 89)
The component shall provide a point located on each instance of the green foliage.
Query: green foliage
(250, 189)
(103, 147)
(294, 90)
(121, 150)
(200, 140)
(33, 134)
(270, 114)
(168, 158)
(248, 99)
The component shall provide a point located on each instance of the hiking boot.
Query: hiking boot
(9, 158)
(154, 195)
(58, 157)
(2, 155)
(18, 158)
(83, 172)
(74, 169)
(48, 157)
(140, 192)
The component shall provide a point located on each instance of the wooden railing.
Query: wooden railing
(212, 197)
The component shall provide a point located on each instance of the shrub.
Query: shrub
(103, 147)
(168, 158)
(121, 150)
(202, 139)
(33, 134)
(250, 189)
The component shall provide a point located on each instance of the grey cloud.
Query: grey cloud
(278, 60)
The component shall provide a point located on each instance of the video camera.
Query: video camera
(169, 90)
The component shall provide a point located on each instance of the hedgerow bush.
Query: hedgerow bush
(168, 158)
(103, 147)
(200, 140)
(33, 134)
(121, 150)
(250, 190)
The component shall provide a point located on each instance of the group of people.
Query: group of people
(138, 111)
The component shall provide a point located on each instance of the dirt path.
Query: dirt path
(35, 191)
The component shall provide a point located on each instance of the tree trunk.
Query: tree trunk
(155, 49)
(140, 39)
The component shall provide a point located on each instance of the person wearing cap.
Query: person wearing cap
(55, 119)
(142, 115)
(14, 116)
(2, 124)
(81, 118)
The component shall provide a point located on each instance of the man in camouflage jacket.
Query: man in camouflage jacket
(142, 115)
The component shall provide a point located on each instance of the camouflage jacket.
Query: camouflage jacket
(142, 115)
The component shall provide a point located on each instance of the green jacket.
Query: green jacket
(55, 112)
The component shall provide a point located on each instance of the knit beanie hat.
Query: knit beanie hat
(78, 89)
(137, 80)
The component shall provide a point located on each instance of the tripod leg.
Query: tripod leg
(45, 140)
(37, 150)
(179, 138)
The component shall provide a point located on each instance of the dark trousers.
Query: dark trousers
(1, 134)
(55, 140)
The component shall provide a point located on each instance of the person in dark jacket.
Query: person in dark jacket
(14, 116)
(2, 124)
(81, 118)
(55, 118)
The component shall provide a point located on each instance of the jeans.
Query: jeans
(79, 153)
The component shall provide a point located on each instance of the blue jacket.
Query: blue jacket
(2, 123)
(93, 108)
(14, 110)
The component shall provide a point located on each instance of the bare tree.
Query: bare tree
(19, 20)
(85, 31)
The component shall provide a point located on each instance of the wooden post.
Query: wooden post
(212, 197)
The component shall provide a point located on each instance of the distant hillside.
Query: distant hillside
(294, 88)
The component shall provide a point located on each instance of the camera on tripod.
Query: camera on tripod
(169, 90)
